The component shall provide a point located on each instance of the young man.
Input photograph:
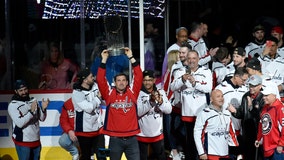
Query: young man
(255, 47)
(88, 122)
(152, 104)
(271, 127)
(213, 130)
(233, 90)
(121, 122)
(68, 139)
(26, 113)
(272, 64)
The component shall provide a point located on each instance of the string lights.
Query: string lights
(70, 9)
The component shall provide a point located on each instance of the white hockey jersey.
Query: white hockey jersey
(151, 114)
(193, 98)
(232, 95)
(214, 132)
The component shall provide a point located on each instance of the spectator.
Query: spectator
(249, 112)
(86, 99)
(194, 91)
(121, 122)
(271, 128)
(152, 103)
(68, 140)
(210, 123)
(55, 70)
(26, 113)
(256, 46)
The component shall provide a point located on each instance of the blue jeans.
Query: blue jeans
(66, 143)
(174, 130)
(27, 153)
(128, 145)
(275, 156)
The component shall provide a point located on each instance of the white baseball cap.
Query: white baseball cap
(269, 90)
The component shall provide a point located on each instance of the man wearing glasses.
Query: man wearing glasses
(249, 112)
(233, 90)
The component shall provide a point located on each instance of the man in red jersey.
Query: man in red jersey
(271, 125)
(121, 121)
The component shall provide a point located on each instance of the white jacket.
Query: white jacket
(151, 115)
(193, 98)
(214, 132)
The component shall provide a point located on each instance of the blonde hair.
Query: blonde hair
(173, 57)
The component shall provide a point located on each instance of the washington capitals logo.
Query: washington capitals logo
(124, 105)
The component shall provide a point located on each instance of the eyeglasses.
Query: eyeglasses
(243, 79)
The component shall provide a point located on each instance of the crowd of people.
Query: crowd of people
(213, 103)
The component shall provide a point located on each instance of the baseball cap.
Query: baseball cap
(277, 29)
(254, 63)
(240, 51)
(254, 80)
(149, 73)
(258, 27)
(20, 84)
(268, 89)
(84, 73)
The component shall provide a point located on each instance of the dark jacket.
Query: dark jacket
(250, 116)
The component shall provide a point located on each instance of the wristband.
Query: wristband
(130, 57)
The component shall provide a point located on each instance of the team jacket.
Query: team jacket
(200, 46)
(271, 127)
(233, 95)
(214, 132)
(25, 124)
(88, 119)
(274, 68)
(193, 98)
(253, 49)
(121, 113)
(219, 72)
(151, 116)
(67, 116)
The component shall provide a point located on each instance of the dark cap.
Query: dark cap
(20, 84)
(149, 73)
(272, 38)
(240, 51)
(254, 63)
(84, 73)
(258, 27)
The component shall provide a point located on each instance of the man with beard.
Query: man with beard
(88, 122)
(121, 121)
(256, 46)
(26, 112)
(152, 103)
(249, 112)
